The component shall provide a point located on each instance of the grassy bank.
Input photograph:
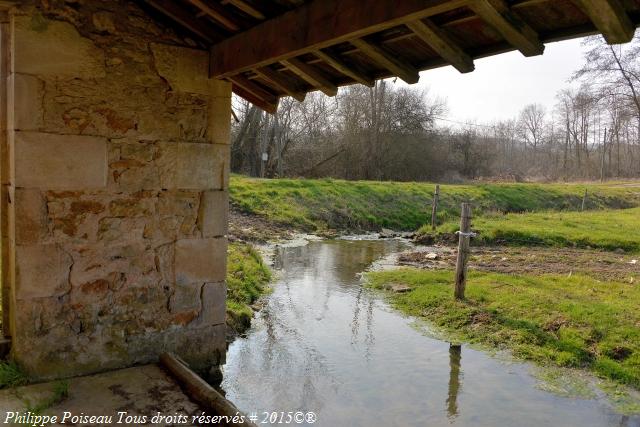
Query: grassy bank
(606, 229)
(247, 279)
(567, 321)
(315, 205)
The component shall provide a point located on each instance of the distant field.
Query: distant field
(603, 229)
(315, 205)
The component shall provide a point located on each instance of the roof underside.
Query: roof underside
(274, 48)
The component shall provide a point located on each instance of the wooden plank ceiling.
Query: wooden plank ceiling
(274, 48)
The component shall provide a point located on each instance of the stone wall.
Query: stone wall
(119, 162)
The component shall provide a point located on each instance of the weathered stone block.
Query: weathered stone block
(213, 217)
(28, 110)
(30, 216)
(104, 22)
(135, 260)
(54, 48)
(140, 204)
(219, 120)
(200, 260)
(42, 271)
(213, 304)
(53, 161)
(118, 289)
(185, 298)
(186, 70)
(194, 166)
(117, 229)
(220, 88)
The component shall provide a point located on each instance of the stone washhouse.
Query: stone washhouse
(116, 117)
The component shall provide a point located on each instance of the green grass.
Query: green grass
(567, 321)
(605, 229)
(11, 375)
(247, 279)
(59, 394)
(315, 205)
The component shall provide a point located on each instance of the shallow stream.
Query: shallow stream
(323, 343)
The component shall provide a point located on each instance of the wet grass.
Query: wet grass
(315, 205)
(605, 229)
(573, 321)
(247, 279)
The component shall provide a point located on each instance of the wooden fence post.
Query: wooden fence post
(464, 236)
(584, 199)
(434, 207)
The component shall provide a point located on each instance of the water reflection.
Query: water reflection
(455, 356)
(324, 343)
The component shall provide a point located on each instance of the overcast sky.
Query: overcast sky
(501, 85)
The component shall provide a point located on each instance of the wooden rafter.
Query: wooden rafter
(444, 46)
(346, 69)
(281, 82)
(268, 107)
(517, 32)
(312, 75)
(216, 12)
(317, 24)
(246, 8)
(397, 66)
(610, 18)
(254, 89)
(186, 20)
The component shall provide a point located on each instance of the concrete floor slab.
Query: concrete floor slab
(143, 391)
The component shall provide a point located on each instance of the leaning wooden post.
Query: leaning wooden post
(434, 207)
(464, 236)
(584, 199)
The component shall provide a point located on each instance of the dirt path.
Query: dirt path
(599, 264)
(252, 228)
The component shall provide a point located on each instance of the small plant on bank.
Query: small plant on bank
(11, 375)
(60, 393)
(247, 279)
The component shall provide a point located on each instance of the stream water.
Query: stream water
(323, 343)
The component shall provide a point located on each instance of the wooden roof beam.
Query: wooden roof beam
(281, 82)
(312, 75)
(344, 68)
(515, 31)
(316, 25)
(442, 44)
(246, 8)
(267, 100)
(266, 106)
(216, 12)
(397, 66)
(610, 18)
(185, 19)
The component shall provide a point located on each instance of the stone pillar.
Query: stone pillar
(119, 192)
